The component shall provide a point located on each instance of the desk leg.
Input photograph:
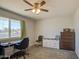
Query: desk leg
(9, 57)
(17, 57)
(24, 57)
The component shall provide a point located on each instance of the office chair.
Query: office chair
(39, 41)
(17, 55)
(1, 50)
(22, 45)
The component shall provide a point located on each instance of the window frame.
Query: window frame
(9, 20)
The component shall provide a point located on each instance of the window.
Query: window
(4, 28)
(9, 28)
(15, 28)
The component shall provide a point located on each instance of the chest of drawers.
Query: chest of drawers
(67, 40)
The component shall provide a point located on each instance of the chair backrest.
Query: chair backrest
(24, 43)
(40, 37)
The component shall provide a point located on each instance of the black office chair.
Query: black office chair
(22, 45)
(1, 50)
(17, 55)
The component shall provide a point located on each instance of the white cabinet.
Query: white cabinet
(51, 43)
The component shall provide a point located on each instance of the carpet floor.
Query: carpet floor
(49, 53)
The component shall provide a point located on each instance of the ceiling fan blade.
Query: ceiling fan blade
(27, 2)
(27, 9)
(42, 3)
(44, 10)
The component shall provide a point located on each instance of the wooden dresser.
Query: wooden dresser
(67, 40)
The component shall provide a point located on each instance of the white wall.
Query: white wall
(30, 24)
(30, 30)
(49, 28)
(76, 20)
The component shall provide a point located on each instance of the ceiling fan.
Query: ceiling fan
(36, 7)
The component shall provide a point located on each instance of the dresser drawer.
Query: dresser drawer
(67, 33)
(67, 47)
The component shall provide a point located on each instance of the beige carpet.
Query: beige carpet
(48, 53)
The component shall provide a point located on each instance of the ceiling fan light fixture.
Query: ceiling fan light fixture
(33, 10)
(37, 11)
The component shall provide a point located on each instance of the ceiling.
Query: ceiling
(55, 7)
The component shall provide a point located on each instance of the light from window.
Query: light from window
(15, 28)
(9, 28)
(4, 28)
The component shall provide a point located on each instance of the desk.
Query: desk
(9, 43)
(8, 48)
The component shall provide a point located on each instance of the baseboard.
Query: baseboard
(77, 55)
